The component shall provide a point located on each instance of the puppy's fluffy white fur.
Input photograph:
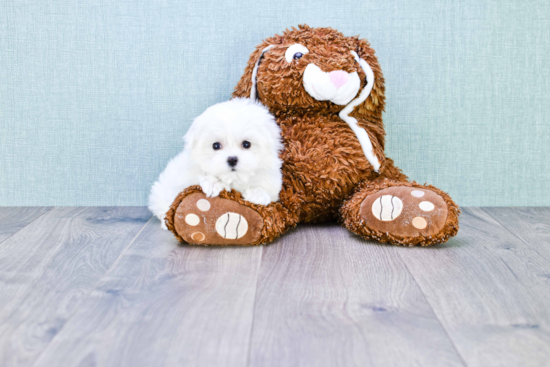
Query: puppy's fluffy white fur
(257, 173)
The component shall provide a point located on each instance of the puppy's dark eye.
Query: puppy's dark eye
(297, 55)
(216, 146)
(246, 144)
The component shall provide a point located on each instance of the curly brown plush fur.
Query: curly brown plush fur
(323, 160)
(326, 175)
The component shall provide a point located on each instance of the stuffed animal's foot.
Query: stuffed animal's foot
(202, 220)
(402, 213)
(405, 212)
(225, 220)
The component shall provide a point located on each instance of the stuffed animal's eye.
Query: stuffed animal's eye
(295, 52)
(246, 144)
(216, 146)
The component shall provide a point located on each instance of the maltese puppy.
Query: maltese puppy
(232, 145)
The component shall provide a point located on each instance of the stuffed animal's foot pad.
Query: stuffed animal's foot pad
(216, 221)
(405, 211)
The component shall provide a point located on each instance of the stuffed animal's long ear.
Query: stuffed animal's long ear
(246, 87)
(364, 113)
(376, 101)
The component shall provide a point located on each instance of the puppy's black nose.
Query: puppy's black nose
(232, 161)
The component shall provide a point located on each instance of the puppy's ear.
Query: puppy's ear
(376, 101)
(273, 145)
(269, 128)
(246, 87)
(191, 136)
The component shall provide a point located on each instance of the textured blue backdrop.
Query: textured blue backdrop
(95, 95)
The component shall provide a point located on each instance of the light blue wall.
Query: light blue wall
(95, 95)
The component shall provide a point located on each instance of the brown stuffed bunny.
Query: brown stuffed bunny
(327, 93)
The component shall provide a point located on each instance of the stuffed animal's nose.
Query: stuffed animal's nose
(338, 78)
(232, 161)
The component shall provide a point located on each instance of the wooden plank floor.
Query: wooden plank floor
(108, 287)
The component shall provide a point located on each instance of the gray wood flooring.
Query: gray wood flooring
(108, 287)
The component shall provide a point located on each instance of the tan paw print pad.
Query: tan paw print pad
(387, 207)
(231, 226)
(405, 211)
(215, 221)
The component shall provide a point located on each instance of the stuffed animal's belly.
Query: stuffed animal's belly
(323, 163)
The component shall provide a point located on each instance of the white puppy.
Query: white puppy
(232, 145)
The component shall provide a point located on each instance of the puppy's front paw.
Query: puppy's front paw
(211, 186)
(257, 196)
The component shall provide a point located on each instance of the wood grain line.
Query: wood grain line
(529, 224)
(489, 290)
(48, 268)
(328, 298)
(165, 304)
(13, 219)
